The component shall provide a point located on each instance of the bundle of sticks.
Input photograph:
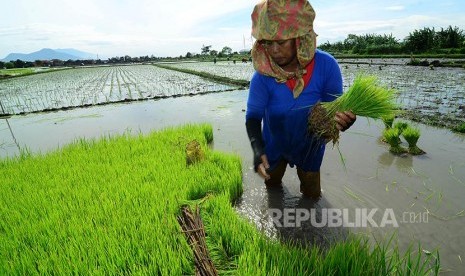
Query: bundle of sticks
(192, 227)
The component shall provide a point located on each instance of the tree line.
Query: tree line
(80, 62)
(206, 53)
(450, 40)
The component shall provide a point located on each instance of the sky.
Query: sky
(111, 28)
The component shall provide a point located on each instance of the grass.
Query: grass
(459, 128)
(16, 72)
(109, 206)
(21, 72)
(451, 56)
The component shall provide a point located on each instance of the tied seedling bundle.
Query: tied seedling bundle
(365, 97)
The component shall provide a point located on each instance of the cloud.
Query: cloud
(123, 25)
(174, 27)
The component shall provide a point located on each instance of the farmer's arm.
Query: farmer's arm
(256, 105)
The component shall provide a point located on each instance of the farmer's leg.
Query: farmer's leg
(309, 183)
(276, 175)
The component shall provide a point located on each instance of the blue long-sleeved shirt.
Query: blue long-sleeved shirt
(285, 130)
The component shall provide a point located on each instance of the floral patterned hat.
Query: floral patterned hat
(281, 20)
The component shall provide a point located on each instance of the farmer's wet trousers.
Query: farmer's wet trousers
(309, 181)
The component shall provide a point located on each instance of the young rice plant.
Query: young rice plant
(365, 97)
(109, 207)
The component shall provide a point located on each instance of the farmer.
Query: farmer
(291, 77)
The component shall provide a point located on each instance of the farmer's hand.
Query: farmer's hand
(344, 120)
(263, 167)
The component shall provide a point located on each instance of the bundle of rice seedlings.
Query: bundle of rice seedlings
(392, 138)
(411, 135)
(388, 121)
(194, 152)
(401, 126)
(365, 97)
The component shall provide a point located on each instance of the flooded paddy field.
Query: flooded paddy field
(229, 69)
(98, 85)
(432, 96)
(435, 97)
(425, 193)
(372, 178)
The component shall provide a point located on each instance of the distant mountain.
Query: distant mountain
(49, 54)
(77, 53)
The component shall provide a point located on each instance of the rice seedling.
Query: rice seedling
(401, 126)
(388, 121)
(88, 86)
(110, 207)
(107, 206)
(249, 254)
(411, 135)
(241, 71)
(391, 136)
(365, 97)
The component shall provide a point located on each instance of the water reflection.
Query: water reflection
(291, 220)
(386, 159)
(404, 162)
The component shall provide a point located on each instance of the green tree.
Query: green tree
(226, 51)
(421, 41)
(450, 37)
(39, 63)
(205, 49)
(19, 63)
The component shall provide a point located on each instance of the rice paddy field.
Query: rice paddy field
(238, 70)
(370, 176)
(98, 85)
(5, 73)
(429, 96)
(439, 100)
(110, 207)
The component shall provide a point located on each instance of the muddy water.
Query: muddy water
(432, 96)
(369, 178)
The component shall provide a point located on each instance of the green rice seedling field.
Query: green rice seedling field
(109, 206)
